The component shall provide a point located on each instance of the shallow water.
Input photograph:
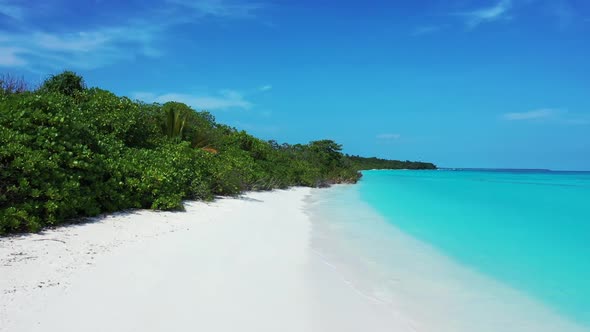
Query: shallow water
(464, 250)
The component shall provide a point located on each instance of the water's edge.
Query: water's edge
(432, 290)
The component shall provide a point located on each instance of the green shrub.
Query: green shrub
(49, 170)
(67, 83)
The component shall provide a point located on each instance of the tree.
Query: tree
(175, 119)
(67, 83)
(327, 152)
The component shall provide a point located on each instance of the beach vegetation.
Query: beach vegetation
(67, 83)
(68, 151)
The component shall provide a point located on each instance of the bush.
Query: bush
(49, 169)
(67, 83)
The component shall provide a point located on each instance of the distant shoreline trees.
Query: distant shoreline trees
(364, 163)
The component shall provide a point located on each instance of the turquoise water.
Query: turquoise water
(528, 230)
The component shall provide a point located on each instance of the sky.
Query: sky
(461, 83)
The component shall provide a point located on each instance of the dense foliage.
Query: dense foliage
(363, 163)
(68, 151)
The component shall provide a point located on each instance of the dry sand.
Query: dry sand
(232, 265)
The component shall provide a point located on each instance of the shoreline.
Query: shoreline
(301, 259)
(234, 264)
(419, 282)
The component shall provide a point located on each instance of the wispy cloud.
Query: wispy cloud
(10, 10)
(39, 49)
(265, 88)
(553, 115)
(532, 115)
(563, 11)
(487, 14)
(427, 30)
(221, 8)
(388, 136)
(9, 57)
(225, 99)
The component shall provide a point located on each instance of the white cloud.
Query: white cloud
(41, 50)
(83, 49)
(488, 14)
(531, 115)
(389, 136)
(562, 10)
(225, 99)
(265, 87)
(72, 42)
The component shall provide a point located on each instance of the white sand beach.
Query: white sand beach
(241, 264)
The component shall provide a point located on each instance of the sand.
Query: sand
(237, 264)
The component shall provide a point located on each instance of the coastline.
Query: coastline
(234, 264)
(301, 259)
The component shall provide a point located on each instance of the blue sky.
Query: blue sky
(499, 83)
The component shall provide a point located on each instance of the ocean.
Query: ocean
(470, 250)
